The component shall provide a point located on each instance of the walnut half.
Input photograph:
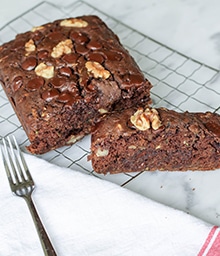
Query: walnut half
(97, 70)
(146, 119)
(44, 70)
(74, 22)
(63, 47)
(30, 46)
(37, 28)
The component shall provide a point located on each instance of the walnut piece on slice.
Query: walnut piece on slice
(97, 70)
(74, 22)
(44, 70)
(63, 47)
(146, 119)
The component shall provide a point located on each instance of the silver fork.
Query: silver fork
(22, 185)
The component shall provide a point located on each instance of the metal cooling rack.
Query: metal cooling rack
(179, 82)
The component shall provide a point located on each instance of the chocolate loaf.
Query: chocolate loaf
(61, 78)
(156, 139)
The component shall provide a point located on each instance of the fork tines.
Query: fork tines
(15, 165)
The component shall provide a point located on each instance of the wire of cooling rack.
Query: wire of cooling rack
(179, 82)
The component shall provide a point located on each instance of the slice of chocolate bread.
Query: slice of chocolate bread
(61, 77)
(156, 139)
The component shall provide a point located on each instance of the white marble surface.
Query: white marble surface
(192, 28)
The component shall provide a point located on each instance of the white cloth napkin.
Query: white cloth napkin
(86, 216)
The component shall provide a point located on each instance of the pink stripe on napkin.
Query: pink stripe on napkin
(211, 246)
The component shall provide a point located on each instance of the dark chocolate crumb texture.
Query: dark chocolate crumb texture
(156, 139)
(61, 77)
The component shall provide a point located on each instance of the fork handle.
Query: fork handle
(44, 239)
